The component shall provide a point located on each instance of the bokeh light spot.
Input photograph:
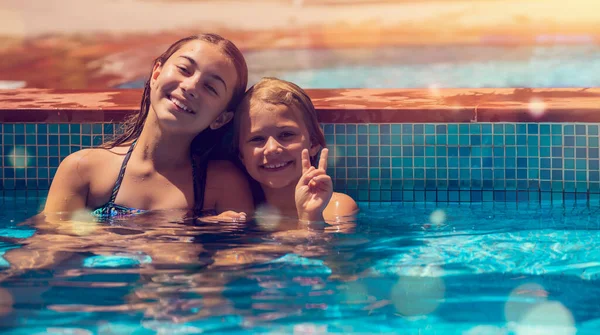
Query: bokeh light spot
(537, 107)
(549, 317)
(438, 218)
(418, 295)
(268, 217)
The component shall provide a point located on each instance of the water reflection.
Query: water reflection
(167, 274)
(169, 267)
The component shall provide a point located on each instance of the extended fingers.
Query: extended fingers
(320, 179)
(307, 175)
(227, 216)
(323, 159)
(312, 172)
(232, 214)
(305, 161)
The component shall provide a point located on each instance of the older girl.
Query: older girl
(161, 159)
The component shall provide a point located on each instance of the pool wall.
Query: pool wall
(430, 145)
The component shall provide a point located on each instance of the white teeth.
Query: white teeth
(181, 105)
(274, 166)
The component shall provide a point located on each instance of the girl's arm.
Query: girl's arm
(315, 199)
(341, 207)
(70, 186)
(231, 188)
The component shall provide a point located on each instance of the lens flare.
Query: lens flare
(82, 223)
(549, 317)
(339, 152)
(434, 90)
(437, 218)
(520, 300)
(418, 295)
(356, 293)
(19, 157)
(537, 107)
(268, 217)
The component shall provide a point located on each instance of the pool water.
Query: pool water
(456, 66)
(464, 66)
(492, 268)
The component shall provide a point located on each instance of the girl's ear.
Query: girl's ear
(221, 120)
(155, 72)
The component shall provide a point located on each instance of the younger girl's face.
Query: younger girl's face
(271, 141)
(192, 89)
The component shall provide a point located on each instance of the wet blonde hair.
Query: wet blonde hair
(280, 92)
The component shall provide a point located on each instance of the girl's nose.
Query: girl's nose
(272, 146)
(190, 87)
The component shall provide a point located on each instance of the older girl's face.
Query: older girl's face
(192, 89)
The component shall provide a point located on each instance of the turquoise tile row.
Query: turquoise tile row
(469, 162)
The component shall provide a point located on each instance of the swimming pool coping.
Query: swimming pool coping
(457, 105)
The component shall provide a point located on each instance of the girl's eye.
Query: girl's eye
(183, 69)
(287, 134)
(256, 139)
(212, 89)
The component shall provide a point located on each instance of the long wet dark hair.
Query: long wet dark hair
(204, 143)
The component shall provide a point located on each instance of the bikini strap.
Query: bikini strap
(121, 174)
(199, 167)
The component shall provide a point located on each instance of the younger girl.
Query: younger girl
(278, 139)
(161, 159)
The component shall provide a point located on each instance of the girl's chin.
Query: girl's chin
(277, 184)
(177, 125)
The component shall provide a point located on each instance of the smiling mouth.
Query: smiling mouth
(180, 105)
(276, 167)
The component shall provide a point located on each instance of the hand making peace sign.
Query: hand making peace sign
(314, 189)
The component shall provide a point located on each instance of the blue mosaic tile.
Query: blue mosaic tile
(64, 128)
(351, 129)
(509, 162)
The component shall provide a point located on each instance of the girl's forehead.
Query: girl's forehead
(271, 113)
(203, 52)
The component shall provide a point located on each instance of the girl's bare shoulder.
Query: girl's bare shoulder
(340, 205)
(91, 162)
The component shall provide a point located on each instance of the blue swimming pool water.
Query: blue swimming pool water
(462, 66)
(490, 268)
(457, 67)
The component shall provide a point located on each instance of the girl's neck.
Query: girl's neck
(162, 149)
(282, 199)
